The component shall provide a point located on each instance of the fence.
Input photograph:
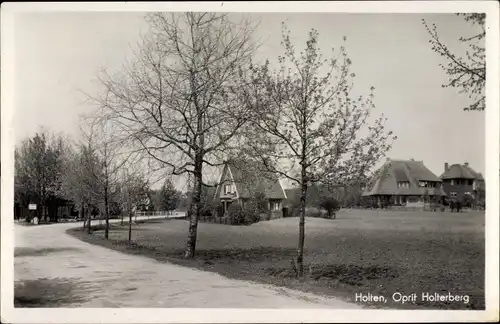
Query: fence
(161, 213)
(154, 213)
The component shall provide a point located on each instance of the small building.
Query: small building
(242, 180)
(460, 180)
(404, 183)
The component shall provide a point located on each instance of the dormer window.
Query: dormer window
(403, 184)
(427, 184)
(228, 189)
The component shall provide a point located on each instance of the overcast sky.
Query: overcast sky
(58, 54)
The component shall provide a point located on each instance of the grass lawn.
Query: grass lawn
(362, 251)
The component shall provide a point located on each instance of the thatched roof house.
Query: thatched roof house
(403, 178)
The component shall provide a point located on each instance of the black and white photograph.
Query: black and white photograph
(162, 161)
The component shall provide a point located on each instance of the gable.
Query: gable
(250, 178)
(225, 178)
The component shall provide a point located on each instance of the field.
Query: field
(362, 251)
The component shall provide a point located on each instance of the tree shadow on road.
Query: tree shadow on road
(48, 292)
(26, 251)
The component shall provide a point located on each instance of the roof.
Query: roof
(461, 171)
(385, 181)
(250, 177)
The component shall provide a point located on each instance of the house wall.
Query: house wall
(460, 189)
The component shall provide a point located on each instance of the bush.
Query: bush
(314, 212)
(207, 210)
(467, 201)
(247, 215)
(252, 212)
(235, 214)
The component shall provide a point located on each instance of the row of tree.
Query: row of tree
(92, 176)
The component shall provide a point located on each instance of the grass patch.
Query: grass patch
(361, 252)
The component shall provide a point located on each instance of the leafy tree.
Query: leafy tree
(178, 100)
(39, 166)
(306, 127)
(169, 196)
(467, 72)
(330, 205)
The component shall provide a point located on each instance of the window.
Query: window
(275, 205)
(453, 194)
(403, 184)
(422, 184)
(452, 182)
(227, 189)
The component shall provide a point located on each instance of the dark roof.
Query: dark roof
(459, 171)
(385, 181)
(250, 176)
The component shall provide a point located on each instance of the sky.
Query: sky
(59, 55)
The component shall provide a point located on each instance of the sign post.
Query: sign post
(33, 207)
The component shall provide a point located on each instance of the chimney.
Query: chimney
(446, 167)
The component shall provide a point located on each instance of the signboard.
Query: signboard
(32, 206)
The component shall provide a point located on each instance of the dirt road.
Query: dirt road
(93, 276)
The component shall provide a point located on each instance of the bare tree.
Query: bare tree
(81, 183)
(112, 154)
(306, 127)
(134, 186)
(466, 72)
(83, 176)
(178, 101)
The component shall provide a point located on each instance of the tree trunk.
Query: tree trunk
(129, 226)
(89, 213)
(300, 248)
(82, 214)
(194, 209)
(106, 210)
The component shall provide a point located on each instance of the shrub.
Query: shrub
(313, 212)
(235, 214)
(207, 209)
(252, 212)
(467, 201)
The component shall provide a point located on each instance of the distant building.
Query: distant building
(240, 180)
(460, 180)
(405, 183)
